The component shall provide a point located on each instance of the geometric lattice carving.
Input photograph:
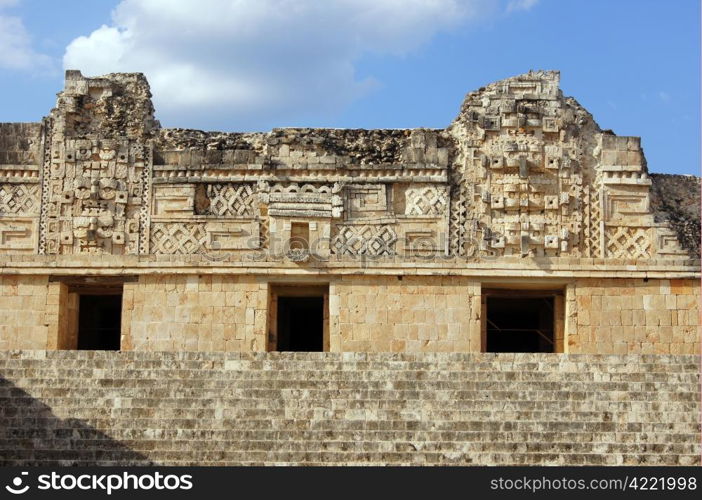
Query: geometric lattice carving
(177, 238)
(457, 214)
(592, 208)
(264, 235)
(425, 200)
(19, 199)
(372, 240)
(628, 242)
(45, 192)
(141, 156)
(231, 200)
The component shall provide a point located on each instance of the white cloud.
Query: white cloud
(16, 50)
(240, 64)
(515, 5)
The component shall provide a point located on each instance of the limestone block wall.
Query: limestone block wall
(634, 316)
(373, 314)
(365, 313)
(194, 313)
(109, 408)
(28, 312)
(411, 314)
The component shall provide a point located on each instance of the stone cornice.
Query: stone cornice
(502, 268)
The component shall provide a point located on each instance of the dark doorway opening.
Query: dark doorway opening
(520, 324)
(99, 322)
(300, 324)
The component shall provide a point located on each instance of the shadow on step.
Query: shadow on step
(30, 434)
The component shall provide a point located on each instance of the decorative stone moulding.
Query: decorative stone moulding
(298, 255)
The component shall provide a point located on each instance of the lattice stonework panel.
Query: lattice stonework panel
(457, 215)
(372, 240)
(592, 220)
(628, 242)
(231, 200)
(426, 200)
(19, 199)
(177, 238)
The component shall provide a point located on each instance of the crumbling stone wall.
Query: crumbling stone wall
(676, 200)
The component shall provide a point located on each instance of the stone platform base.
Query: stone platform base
(109, 408)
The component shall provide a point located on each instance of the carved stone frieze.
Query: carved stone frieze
(523, 171)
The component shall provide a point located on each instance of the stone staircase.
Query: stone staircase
(196, 408)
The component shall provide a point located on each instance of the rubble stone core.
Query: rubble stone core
(406, 229)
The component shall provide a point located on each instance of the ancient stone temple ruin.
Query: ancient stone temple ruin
(521, 227)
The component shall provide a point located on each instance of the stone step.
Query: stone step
(288, 440)
(354, 361)
(322, 379)
(196, 448)
(448, 381)
(83, 407)
(290, 362)
(365, 410)
(139, 435)
(278, 447)
(529, 427)
(260, 458)
(454, 388)
(361, 415)
(233, 393)
(361, 408)
(126, 426)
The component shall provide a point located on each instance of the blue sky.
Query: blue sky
(258, 64)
